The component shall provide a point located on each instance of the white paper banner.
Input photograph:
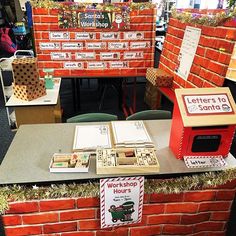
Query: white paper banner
(187, 51)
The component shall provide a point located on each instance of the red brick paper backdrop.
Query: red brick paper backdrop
(193, 213)
(132, 60)
(212, 57)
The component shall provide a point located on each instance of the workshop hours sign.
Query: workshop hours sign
(207, 104)
(121, 201)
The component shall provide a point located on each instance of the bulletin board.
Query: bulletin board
(94, 40)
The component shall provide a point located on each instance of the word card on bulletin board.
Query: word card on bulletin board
(78, 39)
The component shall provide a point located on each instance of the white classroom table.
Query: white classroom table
(45, 109)
(29, 155)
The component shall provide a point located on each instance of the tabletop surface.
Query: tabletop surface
(29, 155)
(49, 99)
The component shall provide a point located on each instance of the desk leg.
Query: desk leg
(77, 82)
(134, 95)
(73, 93)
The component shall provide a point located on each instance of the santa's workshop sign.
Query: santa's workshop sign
(94, 19)
(78, 39)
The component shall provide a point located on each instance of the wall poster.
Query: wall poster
(187, 51)
(94, 40)
(121, 201)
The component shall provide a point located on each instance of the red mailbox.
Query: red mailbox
(203, 122)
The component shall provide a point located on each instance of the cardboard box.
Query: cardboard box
(159, 77)
(152, 97)
(29, 92)
(25, 71)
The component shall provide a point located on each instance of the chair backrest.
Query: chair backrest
(92, 117)
(150, 115)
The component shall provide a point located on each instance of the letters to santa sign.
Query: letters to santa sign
(89, 40)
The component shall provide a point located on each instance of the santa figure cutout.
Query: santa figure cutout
(118, 23)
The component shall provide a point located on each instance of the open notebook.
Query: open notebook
(131, 134)
(90, 137)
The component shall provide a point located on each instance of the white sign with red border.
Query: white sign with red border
(73, 65)
(72, 46)
(85, 56)
(109, 35)
(109, 55)
(121, 201)
(49, 46)
(207, 104)
(133, 55)
(59, 35)
(60, 55)
(133, 35)
(118, 45)
(95, 45)
(139, 45)
(97, 65)
(119, 64)
(83, 35)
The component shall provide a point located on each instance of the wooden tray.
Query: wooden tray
(126, 161)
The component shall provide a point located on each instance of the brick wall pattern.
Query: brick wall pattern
(212, 57)
(143, 21)
(194, 213)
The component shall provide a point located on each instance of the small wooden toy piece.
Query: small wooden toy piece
(118, 161)
(61, 158)
(48, 78)
(60, 165)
